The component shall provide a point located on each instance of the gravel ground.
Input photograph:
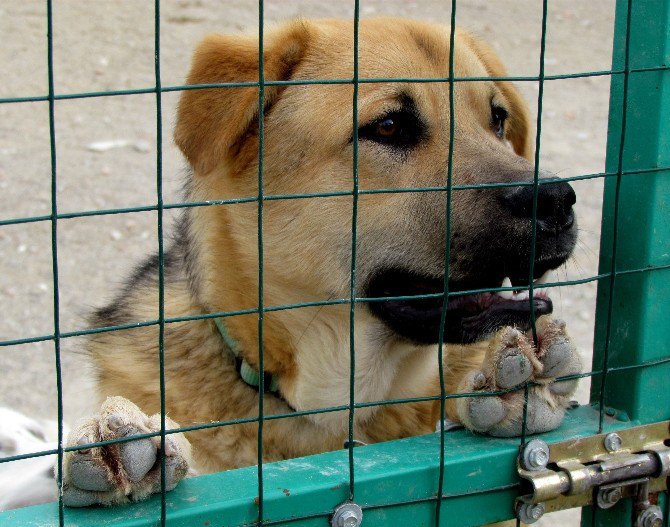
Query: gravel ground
(106, 150)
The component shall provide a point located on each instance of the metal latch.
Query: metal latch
(597, 470)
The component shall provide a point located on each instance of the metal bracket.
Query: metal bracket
(597, 470)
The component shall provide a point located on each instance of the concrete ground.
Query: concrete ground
(106, 150)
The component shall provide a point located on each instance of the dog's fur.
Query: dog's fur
(26, 481)
(212, 266)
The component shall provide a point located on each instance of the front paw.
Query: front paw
(120, 472)
(511, 361)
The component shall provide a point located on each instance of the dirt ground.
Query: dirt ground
(106, 150)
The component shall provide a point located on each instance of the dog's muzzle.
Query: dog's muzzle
(503, 261)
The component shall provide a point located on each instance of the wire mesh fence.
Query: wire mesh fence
(607, 279)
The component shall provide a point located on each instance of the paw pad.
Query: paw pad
(119, 472)
(510, 361)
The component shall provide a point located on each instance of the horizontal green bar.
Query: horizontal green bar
(275, 197)
(302, 413)
(317, 303)
(395, 485)
(307, 82)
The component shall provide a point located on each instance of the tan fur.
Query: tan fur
(307, 242)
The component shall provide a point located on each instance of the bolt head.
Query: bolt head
(536, 512)
(535, 455)
(609, 497)
(348, 519)
(538, 457)
(529, 513)
(347, 515)
(613, 442)
(650, 517)
(613, 495)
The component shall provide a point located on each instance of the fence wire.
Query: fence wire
(353, 300)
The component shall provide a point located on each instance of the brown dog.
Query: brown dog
(308, 148)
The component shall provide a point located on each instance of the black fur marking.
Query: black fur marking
(119, 311)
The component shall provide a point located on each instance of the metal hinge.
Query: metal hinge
(597, 470)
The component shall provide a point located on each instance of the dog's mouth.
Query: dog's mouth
(470, 316)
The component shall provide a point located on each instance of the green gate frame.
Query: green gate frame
(396, 482)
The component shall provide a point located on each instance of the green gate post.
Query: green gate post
(639, 326)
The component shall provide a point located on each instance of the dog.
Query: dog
(211, 365)
(26, 481)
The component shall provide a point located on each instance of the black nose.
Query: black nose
(554, 204)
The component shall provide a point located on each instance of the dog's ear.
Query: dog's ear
(211, 120)
(518, 123)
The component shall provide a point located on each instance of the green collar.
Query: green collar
(246, 371)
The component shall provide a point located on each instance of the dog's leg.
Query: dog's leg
(121, 472)
(510, 360)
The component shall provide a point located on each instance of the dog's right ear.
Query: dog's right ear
(211, 120)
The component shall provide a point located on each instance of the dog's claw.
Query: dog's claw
(511, 361)
(120, 472)
(115, 422)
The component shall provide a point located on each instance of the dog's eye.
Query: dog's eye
(399, 129)
(387, 128)
(498, 117)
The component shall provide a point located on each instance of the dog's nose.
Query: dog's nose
(554, 204)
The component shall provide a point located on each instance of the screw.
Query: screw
(529, 513)
(613, 442)
(609, 497)
(347, 515)
(612, 495)
(538, 458)
(650, 517)
(535, 455)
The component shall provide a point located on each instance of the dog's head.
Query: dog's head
(403, 143)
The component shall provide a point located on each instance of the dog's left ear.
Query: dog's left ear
(210, 121)
(518, 124)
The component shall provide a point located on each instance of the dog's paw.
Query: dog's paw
(120, 472)
(511, 361)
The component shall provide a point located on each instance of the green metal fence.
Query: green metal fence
(447, 478)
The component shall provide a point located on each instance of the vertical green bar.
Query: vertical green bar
(447, 259)
(161, 253)
(54, 257)
(352, 283)
(633, 325)
(261, 303)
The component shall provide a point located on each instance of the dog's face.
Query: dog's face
(403, 143)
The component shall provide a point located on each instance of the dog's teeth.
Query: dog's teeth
(523, 295)
(507, 295)
(548, 276)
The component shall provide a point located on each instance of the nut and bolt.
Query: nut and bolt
(530, 513)
(609, 497)
(535, 455)
(650, 517)
(538, 458)
(613, 442)
(347, 515)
